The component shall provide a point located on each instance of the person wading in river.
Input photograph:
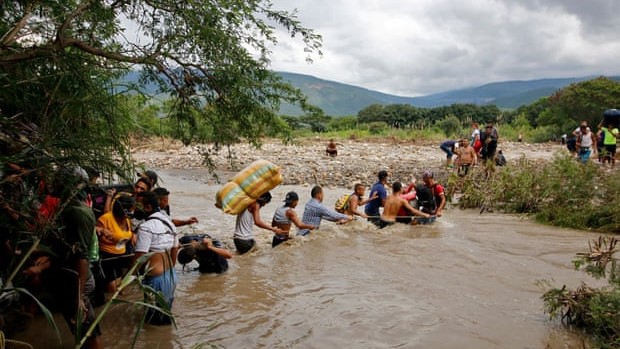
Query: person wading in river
(285, 217)
(378, 189)
(157, 234)
(315, 211)
(244, 235)
(393, 204)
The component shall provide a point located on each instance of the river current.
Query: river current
(467, 281)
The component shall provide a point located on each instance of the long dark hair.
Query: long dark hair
(123, 202)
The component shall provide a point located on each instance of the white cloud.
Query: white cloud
(425, 46)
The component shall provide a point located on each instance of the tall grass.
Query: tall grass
(428, 135)
(562, 192)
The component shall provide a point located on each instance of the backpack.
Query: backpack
(426, 198)
(342, 203)
(208, 261)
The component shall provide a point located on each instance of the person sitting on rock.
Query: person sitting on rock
(331, 148)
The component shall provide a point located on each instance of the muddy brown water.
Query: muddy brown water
(467, 281)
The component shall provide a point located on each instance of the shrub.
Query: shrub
(595, 310)
(377, 127)
(563, 192)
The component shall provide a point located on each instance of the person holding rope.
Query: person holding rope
(164, 205)
(209, 253)
(315, 211)
(285, 217)
(157, 234)
(114, 232)
(356, 199)
(378, 189)
(431, 195)
(393, 204)
(246, 220)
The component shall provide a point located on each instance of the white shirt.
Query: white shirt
(244, 225)
(586, 139)
(156, 236)
(476, 132)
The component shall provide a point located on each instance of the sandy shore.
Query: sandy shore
(305, 162)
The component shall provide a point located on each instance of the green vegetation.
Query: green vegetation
(61, 105)
(541, 121)
(562, 192)
(595, 310)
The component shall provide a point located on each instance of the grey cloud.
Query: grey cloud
(443, 44)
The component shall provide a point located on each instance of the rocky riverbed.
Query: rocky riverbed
(305, 161)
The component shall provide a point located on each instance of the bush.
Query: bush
(563, 192)
(377, 127)
(595, 310)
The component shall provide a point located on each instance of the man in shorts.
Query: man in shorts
(393, 204)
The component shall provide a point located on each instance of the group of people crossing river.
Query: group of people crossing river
(103, 233)
(107, 236)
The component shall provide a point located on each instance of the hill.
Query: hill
(341, 99)
(338, 99)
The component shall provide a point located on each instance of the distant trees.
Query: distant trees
(544, 119)
(581, 101)
(409, 116)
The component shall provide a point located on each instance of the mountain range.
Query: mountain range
(338, 99)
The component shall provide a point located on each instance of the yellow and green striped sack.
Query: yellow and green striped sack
(247, 186)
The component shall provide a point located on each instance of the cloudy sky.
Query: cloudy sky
(417, 47)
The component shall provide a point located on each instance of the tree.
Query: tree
(316, 120)
(533, 111)
(60, 104)
(450, 125)
(581, 101)
(395, 115)
(207, 54)
(373, 112)
(342, 123)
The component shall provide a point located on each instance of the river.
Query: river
(467, 281)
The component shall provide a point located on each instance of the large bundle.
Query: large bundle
(611, 116)
(247, 186)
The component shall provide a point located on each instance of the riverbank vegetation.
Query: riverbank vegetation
(597, 310)
(566, 193)
(61, 106)
(562, 192)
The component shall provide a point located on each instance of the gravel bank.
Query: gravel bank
(305, 162)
